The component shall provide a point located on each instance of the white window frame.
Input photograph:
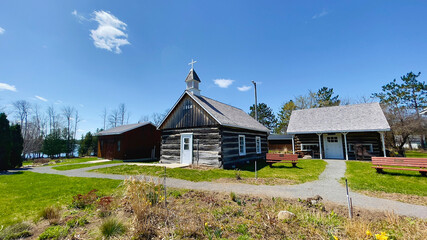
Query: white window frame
(308, 144)
(258, 144)
(369, 145)
(242, 153)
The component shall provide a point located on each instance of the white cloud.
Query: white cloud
(5, 86)
(321, 14)
(58, 102)
(244, 88)
(2, 30)
(223, 83)
(41, 98)
(79, 17)
(109, 34)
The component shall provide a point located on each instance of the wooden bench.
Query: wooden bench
(419, 164)
(282, 158)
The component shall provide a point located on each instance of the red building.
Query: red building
(132, 141)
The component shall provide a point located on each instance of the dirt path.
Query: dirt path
(327, 186)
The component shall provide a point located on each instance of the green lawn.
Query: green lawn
(65, 161)
(307, 170)
(24, 194)
(416, 154)
(361, 176)
(76, 166)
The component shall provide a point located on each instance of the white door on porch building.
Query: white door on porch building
(186, 148)
(333, 146)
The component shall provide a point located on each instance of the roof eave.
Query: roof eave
(340, 131)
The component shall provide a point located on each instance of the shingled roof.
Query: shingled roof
(122, 129)
(367, 117)
(192, 75)
(224, 114)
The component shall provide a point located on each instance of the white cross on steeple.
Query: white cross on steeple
(192, 63)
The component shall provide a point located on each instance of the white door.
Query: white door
(186, 148)
(333, 146)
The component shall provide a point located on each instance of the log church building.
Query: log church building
(201, 130)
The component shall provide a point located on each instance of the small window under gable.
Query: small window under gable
(258, 144)
(242, 145)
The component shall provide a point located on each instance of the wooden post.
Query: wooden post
(320, 145)
(348, 200)
(383, 142)
(256, 174)
(345, 145)
(293, 144)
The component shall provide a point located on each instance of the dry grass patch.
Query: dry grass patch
(139, 212)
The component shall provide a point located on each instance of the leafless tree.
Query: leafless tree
(22, 109)
(114, 118)
(76, 122)
(306, 101)
(104, 116)
(122, 113)
(144, 118)
(158, 117)
(68, 113)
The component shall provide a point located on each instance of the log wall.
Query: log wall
(206, 146)
(230, 146)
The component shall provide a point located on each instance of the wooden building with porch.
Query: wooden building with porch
(200, 130)
(339, 132)
(133, 141)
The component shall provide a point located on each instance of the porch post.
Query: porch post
(320, 146)
(293, 144)
(345, 146)
(383, 142)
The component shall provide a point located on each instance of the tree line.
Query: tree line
(402, 101)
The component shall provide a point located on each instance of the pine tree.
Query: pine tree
(265, 115)
(284, 117)
(5, 142)
(17, 146)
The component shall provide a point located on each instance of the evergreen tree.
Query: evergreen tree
(5, 142)
(325, 98)
(54, 144)
(86, 145)
(265, 115)
(17, 146)
(284, 117)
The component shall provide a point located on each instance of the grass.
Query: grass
(361, 176)
(307, 170)
(63, 161)
(77, 166)
(416, 154)
(25, 194)
(112, 227)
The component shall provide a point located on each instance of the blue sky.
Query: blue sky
(96, 54)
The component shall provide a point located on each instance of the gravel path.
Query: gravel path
(327, 186)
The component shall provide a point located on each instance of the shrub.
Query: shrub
(82, 201)
(104, 205)
(51, 213)
(145, 198)
(237, 174)
(112, 227)
(16, 231)
(54, 232)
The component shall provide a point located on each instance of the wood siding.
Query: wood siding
(373, 138)
(135, 144)
(352, 138)
(230, 146)
(188, 114)
(307, 139)
(206, 145)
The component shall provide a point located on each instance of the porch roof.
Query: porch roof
(367, 117)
